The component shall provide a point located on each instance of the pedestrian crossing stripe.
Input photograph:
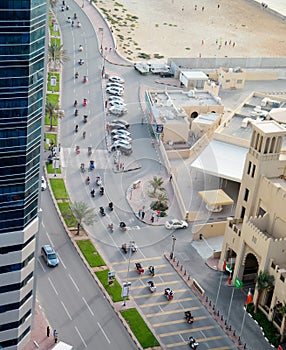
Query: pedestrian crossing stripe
(178, 321)
(157, 294)
(148, 277)
(156, 267)
(198, 340)
(162, 335)
(222, 348)
(138, 260)
(165, 302)
(172, 312)
(157, 284)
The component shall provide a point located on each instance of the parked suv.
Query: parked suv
(49, 255)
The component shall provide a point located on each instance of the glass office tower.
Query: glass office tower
(22, 76)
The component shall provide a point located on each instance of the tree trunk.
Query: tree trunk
(259, 292)
(282, 330)
(78, 227)
(51, 122)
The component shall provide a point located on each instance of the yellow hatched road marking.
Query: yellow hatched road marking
(124, 271)
(157, 284)
(178, 321)
(199, 341)
(165, 302)
(137, 260)
(172, 312)
(155, 294)
(149, 277)
(186, 331)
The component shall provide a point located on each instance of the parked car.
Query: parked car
(120, 132)
(115, 98)
(116, 79)
(175, 224)
(113, 126)
(167, 74)
(114, 91)
(121, 137)
(117, 85)
(124, 148)
(49, 255)
(43, 184)
(120, 142)
(121, 121)
(117, 103)
(117, 110)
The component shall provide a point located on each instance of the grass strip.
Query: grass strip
(67, 214)
(114, 289)
(90, 253)
(139, 328)
(59, 189)
(49, 138)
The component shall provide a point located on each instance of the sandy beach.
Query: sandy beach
(189, 28)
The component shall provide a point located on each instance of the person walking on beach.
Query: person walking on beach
(48, 331)
(152, 218)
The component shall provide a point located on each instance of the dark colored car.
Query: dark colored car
(166, 74)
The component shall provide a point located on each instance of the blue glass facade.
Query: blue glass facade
(22, 81)
(22, 42)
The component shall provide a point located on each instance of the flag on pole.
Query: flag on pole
(224, 265)
(249, 298)
(228, 268)
(238, 283)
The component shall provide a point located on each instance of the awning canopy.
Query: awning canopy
(215, 198)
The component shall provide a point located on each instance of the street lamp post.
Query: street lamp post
(127, 284)
(173, 246)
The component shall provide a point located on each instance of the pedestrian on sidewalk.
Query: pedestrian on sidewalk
(142, 214)
(152, 218)
(48, 331)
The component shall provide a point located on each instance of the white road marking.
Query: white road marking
(106, 337)
(74, 282)
(40, 262)
(88, 306)
(62, 262)
(54, 288)
(66, 310)
(84, 343)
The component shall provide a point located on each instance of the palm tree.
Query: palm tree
(264, 281)
(53, 3)
(83, 214)
(57, 55)
(157, 183)
(161, 203)
(51, 108)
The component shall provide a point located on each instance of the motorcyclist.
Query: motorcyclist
(110, 205)
(192, 342)
(80, 48)
(74, 16)
(101, 190)
(87, 180)
(110, 226)
(76, 128)
(92, 192)
(75, 103)
(78, 24)
(84, 134)
(76, 112)
(151, 270)
(81, 61)
(76, 75)
(72, 23)
(101, 210)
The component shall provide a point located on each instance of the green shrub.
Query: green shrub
(90, 253)
(158, 205)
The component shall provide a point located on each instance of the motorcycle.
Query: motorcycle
(80, 48)
(92, 192)
(98, 181)
(151, 286)
(77, 150)
(91, 165)
(85, 118)
(85, 79)
(84, 103)
(139, 268)
(169, 294)
(122, 226)
(69, 20)
(75, 103)
(76, 128)
(89, 150)
(82, 169)
(101, 191)
(76, 75)
(78, 24)
(81, 62)
(102, 212)
(110, 227)
(151, 270)
(189, 318)
(110, 206)
(192, 343)
(84, 134)
(74, 16)
(87, 181)
(76, 112)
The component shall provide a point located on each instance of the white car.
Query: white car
(115, 98)
(117, 110)
(117, 103)
(43, 184)
(120, 132)
(175, 224)
(117, 85)
(114, 91)
(117, 80)
(121, 137)
(121, 121)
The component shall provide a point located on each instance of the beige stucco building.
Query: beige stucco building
(255, 239)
